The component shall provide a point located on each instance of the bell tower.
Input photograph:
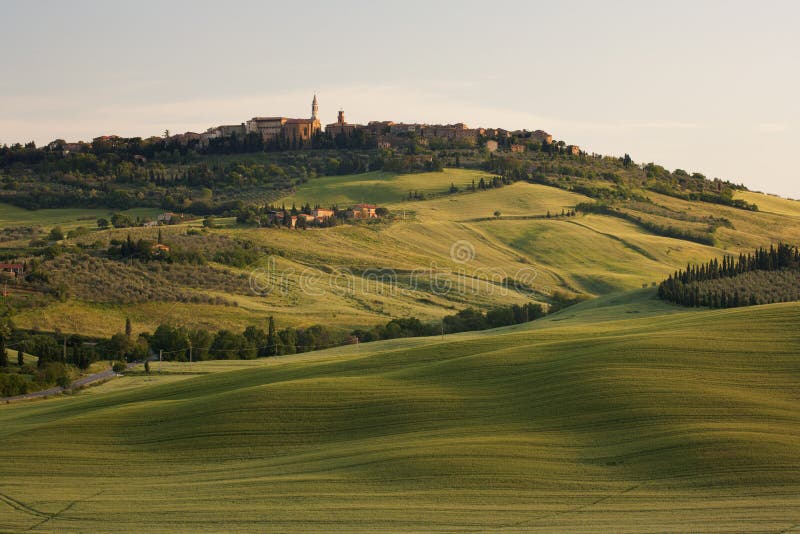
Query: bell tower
(314, 109)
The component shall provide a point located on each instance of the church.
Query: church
(283, 128)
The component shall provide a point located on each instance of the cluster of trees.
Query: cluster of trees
(74, 349)
(181, 344)
(101, 173)
(58, 357)
(168, 175)
(465, 320)
(694, 186)
(765, 276)
(253, 142)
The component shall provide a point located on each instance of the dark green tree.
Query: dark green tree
(272, 338)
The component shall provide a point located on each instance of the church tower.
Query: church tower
(314, 109)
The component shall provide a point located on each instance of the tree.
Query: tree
(102, 223)
(147, 367)
(128, 327)
(230, 346)
(272, 338)
(120, 346)
(201, 340)
(627, 161)
(5, 332)
(497, 213)
(20, 358)
(56, 234)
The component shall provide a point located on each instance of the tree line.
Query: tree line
(466, 320)
(761, 277)
(182, 344)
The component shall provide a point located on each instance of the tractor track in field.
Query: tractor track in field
(532, 522)
(22, 507)
(66, 508)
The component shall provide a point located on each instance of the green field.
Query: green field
(66, 218)
(378, 187)
(623, 413)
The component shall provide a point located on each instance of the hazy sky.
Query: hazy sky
(705, 86)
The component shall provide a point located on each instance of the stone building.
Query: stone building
(542, 136)
(272, 128)
(341, 127)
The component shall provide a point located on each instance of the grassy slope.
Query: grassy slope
(378, 187)
(771, 204)
(593, 254)
(66, 218)
(622, 412)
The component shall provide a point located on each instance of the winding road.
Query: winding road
(83, 381)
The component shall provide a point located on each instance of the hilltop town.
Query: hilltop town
(302, 133)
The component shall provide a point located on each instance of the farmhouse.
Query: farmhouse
(159, 249)
(322, 213)
(12, 269)
(364, 211)
(168, 217)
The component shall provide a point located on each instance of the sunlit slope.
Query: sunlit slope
(596, 254)
(11, 216)
(379, 187)
(622, 413)
(356, 276)
(777, 221)
(771, 203)
(520, 199)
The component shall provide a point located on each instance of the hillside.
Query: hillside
(621, 411)
(356, 276)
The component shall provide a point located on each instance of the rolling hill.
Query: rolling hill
(589, 255)
(623, 412)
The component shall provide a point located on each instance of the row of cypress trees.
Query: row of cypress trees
(741, 281)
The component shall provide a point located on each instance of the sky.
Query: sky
(707, 87)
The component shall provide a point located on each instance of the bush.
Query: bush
(12, 384)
